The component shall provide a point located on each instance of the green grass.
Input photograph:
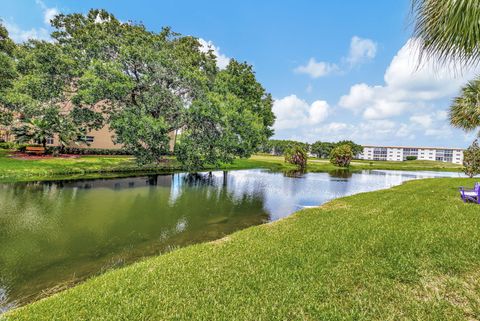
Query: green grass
(12, 169)
(315, 164)
(411, 252)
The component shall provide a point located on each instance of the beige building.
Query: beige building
(101, 139)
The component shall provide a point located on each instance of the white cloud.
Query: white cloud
(293, 112)
(360, 94)
(361, 50)
(41, 33)
(406, 87)
(20, 35)
(318, 112)
(48, 13)
(422, 120)
(316, 69)
(335, 127)
(222, 60)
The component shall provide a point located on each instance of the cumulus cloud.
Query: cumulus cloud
(293, 112)
(406, 87)
(48, 13)
(316, 69)
(361, 50)
(21, 35)
(222, 60)
(422, 120)
(367, 132)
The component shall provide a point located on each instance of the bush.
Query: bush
(296, 155)
(8, 145)
(411, 158)
(23, 147)
(471, 160)
(341, 155)
(56, 150)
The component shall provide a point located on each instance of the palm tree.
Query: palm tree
(465, 109)
(448, 31)
(37, 130)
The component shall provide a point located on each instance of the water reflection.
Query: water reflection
(340, 173)
(53, 233)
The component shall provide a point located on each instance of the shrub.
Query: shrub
(411, 158)
(8, 145)
(296, 155)
(471, 160)
(341, 155)
(21, 147)
(55, 150)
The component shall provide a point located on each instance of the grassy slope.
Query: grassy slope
(16, 169)
(408, 253)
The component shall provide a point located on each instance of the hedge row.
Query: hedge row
(85, 151)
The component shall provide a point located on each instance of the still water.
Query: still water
(54, 234)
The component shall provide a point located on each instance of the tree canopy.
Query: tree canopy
(341, 155)
(448, 33)
(143, 85)
(471, 160)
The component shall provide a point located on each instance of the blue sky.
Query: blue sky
(337, 69)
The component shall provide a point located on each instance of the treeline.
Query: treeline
(279, 147)
(143, 85)
(319, 149)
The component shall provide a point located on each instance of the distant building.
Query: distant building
(400, 153)
(102, 138)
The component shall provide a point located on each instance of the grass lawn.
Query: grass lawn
(407, 253)
(315, 164)
(12, 169)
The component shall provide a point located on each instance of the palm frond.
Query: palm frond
(448, 30)
(465, 109)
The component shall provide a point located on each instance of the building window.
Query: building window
(50, 141)
(86, 139)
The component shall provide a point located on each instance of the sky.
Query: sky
(336, 69)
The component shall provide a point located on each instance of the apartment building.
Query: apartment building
(400, 153)
(102, 138)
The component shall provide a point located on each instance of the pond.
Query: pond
(55, 234)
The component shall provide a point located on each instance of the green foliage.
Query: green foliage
(85, 151)
(471, 160)
(151, 84)
(143, 85)
(447, 30)
(296, 155)
(278, 147)
(356, 149)
(322, 149)
(411, 158)
(8, 145)
(230, 121)
(7, 45)
(341, 155)
(465, 109)
(141, 135)
(36, 130)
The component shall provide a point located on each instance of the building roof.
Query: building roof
(417, 147)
